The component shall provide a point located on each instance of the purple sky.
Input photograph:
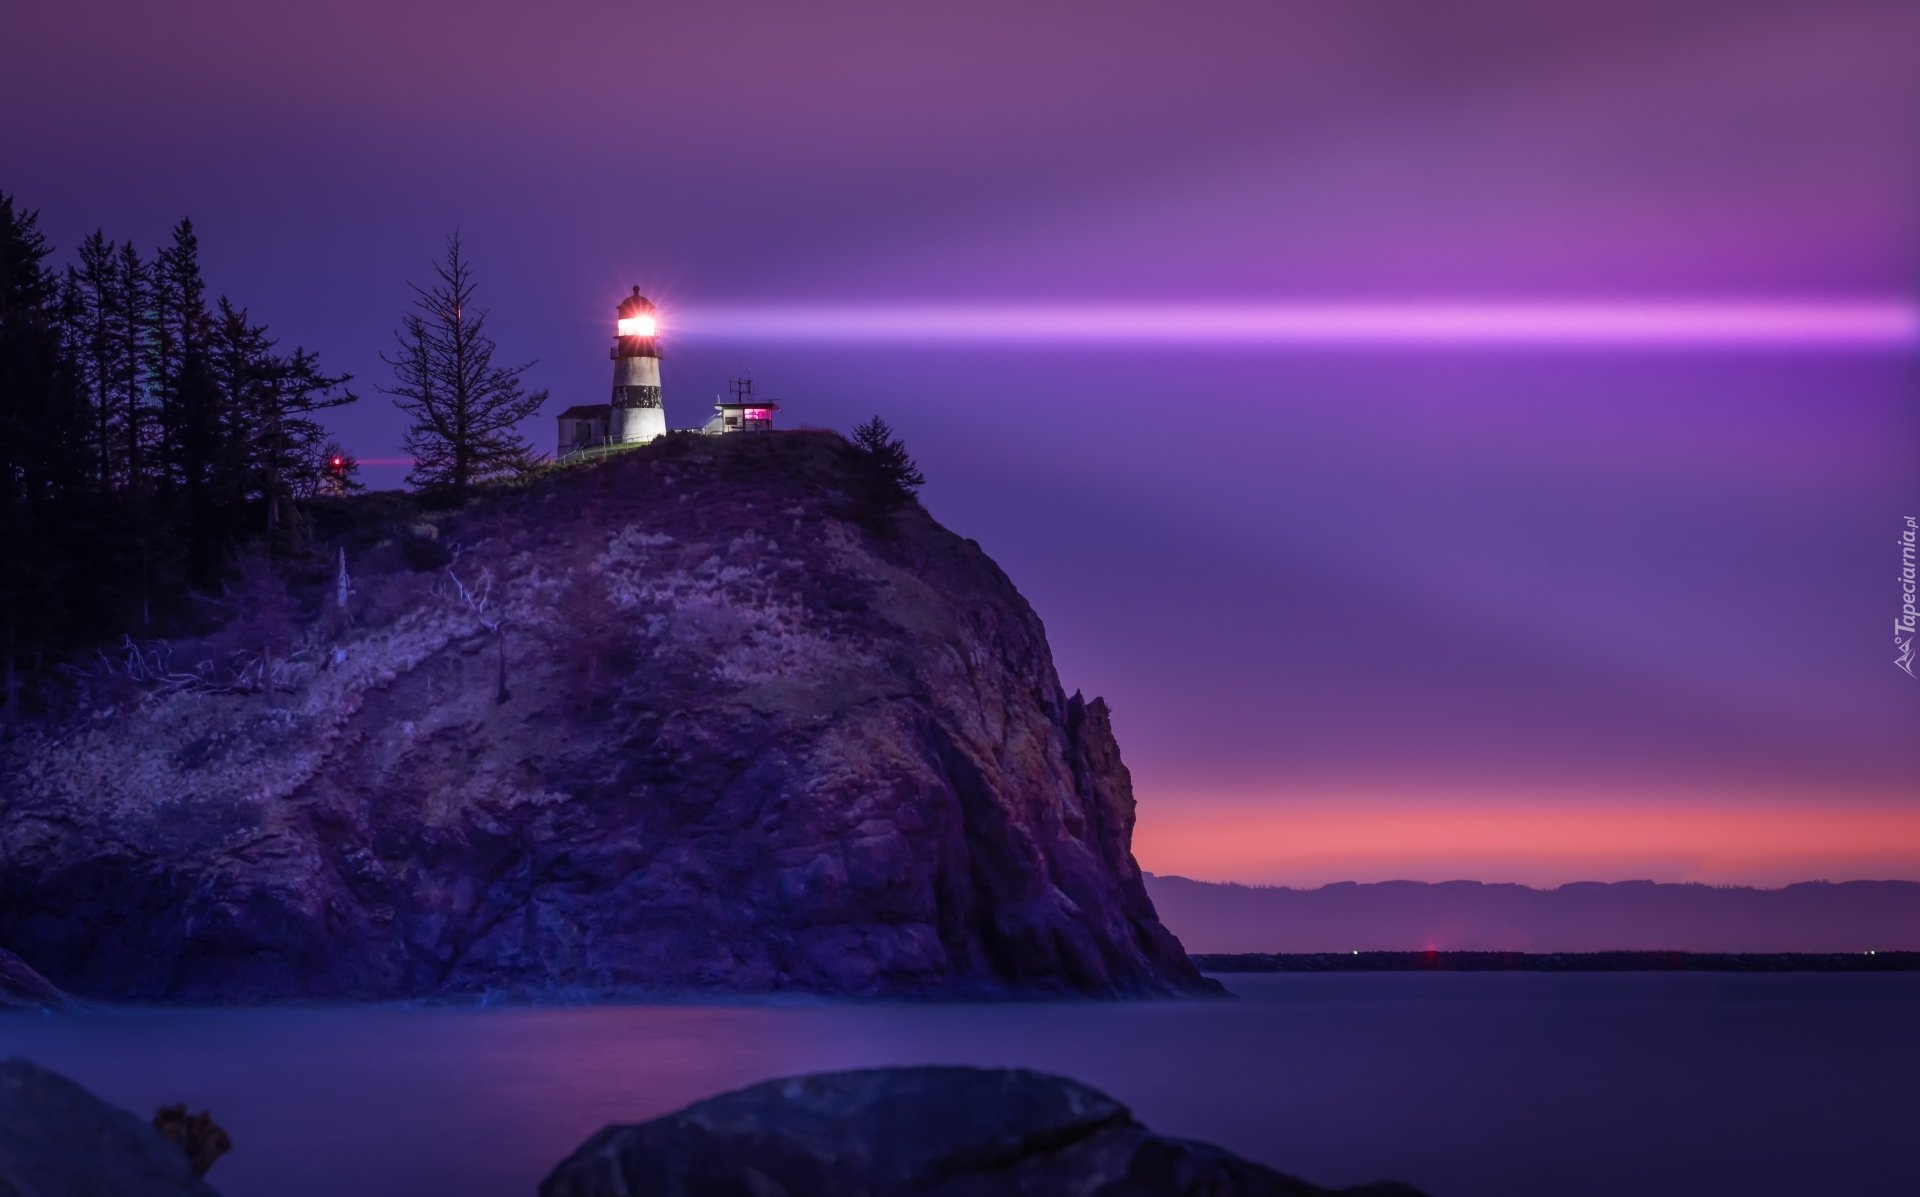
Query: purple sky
(1363, 611)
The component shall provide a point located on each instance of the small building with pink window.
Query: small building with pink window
(742, 410)
(756, 416)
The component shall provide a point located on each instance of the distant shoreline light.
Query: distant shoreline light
(1883, 324)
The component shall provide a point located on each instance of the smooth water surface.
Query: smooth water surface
(1467, 1085)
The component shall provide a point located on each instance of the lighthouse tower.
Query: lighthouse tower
(637, 416)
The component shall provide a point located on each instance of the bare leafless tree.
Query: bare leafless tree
(465, 409)
(479, 600)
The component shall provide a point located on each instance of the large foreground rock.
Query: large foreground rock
(58, 1140)
(914, 1132)
(760, 735)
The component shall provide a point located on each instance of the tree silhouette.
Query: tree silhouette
(44, 458)
(464, 407)
(180, 329)
(895, 472)
(144, 441)
(90, 286)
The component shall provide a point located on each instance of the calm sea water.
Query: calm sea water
(1503, 1085)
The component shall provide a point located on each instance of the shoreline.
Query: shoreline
(1558, 962)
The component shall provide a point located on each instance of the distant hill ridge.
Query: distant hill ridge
(1585, 916)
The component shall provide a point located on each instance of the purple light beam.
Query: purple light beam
(1867, 324)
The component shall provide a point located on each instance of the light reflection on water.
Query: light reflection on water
(1467, 1085)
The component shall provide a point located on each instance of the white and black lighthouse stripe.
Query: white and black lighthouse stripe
(637, 414)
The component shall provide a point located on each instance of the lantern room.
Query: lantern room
(636, 325)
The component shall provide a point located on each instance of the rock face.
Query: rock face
(914, 1132)
(22, 988)
(761, 734)
(58, 1140)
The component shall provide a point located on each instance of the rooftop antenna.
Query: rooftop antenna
(740, 388)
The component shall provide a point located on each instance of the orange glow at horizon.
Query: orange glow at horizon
(1305, 844)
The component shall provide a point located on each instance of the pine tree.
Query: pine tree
(43, 456)
(204, 466)
(92, 303)
(464, 408)
(239, 373)
(332, 471)
(180, 329)
(898, 477)
(292, 449)
(132, 326)
(189, 417)
(129, 347)
(271, 438)
(138, 435)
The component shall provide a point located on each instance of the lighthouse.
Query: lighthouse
(637, 416)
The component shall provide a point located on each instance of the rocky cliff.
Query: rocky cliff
(704, 716)
(21, 988)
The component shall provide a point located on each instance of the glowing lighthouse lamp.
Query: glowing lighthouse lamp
(637, 416)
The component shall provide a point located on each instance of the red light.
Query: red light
(338, 462)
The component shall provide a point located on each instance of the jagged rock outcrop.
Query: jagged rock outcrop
(761, 734)
(23, 988)
(59, 1140)
(915, 1132)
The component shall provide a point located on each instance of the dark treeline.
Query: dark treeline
(148, 439)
